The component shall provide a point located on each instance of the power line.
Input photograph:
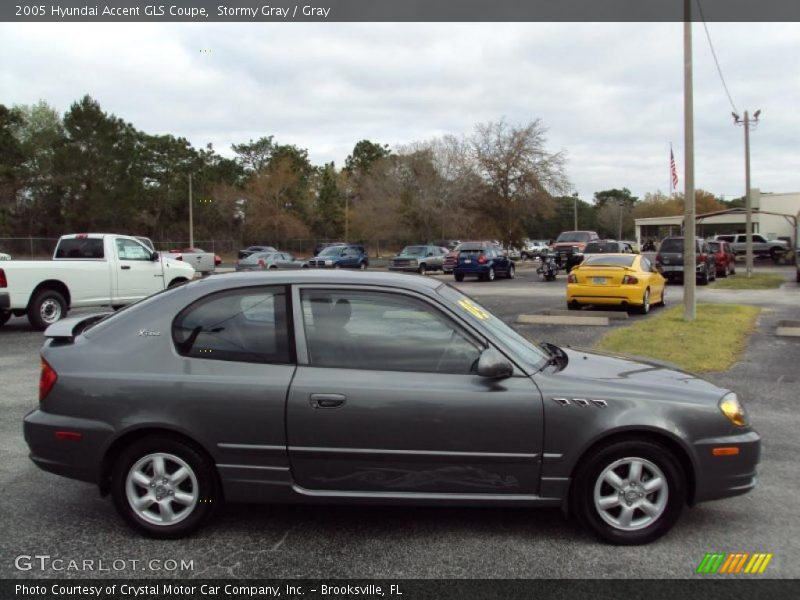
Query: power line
(714, 54)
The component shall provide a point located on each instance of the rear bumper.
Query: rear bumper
(5, 301)
(725, 476)
(74, 458)
(471, 270)
(606, 295)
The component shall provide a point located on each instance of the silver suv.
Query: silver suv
(775, 249)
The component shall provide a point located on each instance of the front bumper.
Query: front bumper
(74, 458)
(725, 476)
(5, 301)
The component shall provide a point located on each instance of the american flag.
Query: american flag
(673, 171)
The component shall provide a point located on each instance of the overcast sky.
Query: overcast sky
(611, 95)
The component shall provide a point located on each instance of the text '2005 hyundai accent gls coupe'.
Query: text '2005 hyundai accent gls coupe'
(371, 388)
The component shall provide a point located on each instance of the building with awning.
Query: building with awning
(774, 217)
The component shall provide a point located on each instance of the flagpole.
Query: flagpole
(670, 169)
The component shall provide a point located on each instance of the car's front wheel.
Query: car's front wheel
(629, 492)
(164, 487)
(459, 276)
(511, 272)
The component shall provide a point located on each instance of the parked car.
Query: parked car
(349, 256)
(252, 249)
(724, 258)
(601, 247)
(513, 253)
(569, 247)
(87, 270)
(263, 261)
(450, 259)
(635, 248)
(202, 261)
(533, 248)
(484, 260)
(775, 249)
(419, 259)
(627, 280)
(305, 386)
(322, 245)
(669, 260)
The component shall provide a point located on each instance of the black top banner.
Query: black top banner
(205, 11)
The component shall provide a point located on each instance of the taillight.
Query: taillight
(3, 280)
(571, 278)
(47, 379)
(629, 280)
(482, 259)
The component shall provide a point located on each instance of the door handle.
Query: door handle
(125, 267)
(326, 400)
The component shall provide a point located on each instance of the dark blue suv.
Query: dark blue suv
(483, 259)
(344, 256)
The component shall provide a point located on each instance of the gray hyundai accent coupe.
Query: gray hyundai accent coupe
(371, 388)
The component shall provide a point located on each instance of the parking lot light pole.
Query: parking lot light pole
(191, 216)
(747, 123)
(689, 258)
(575, 198)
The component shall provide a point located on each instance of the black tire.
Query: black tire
(5, 315)
(589, 471)
(459, 276)
(645, 307)
(272, 267)
(362, 266)
(663, 301)
(511, 273)
(725, 270)
(337, 266)
(573, 306)
(775, 254)
(704, 279)
(177, 281)
(39, 309)
(490, 275)
(422, 269)
(208, 495)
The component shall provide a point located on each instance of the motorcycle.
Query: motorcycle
(548, 267)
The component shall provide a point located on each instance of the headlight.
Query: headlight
(733, 409)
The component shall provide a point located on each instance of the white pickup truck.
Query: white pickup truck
(87, 269)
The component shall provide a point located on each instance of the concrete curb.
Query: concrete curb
(788, 328)
(609, 314)
(562, 320)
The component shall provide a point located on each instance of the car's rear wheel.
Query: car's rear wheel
(362, 266)
(5, 315)
(775, 254)
(573, 306)
(47, 307)
(705, 277)
(459, 277)
(644, 308)
(511, 272)
(164, 487)
(629, 492)
(490, 275)
(726, 271)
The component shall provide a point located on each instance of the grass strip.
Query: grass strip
(713, 342)
(759, 281)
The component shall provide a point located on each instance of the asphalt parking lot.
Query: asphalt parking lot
(47, 515)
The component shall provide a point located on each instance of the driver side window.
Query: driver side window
(383, 331)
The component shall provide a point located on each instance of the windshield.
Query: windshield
(672, 245)
(530, 353)
(332, 251)
(573, 236)
(601, 247)
(611, 260)
(714, 246)
(256, 256)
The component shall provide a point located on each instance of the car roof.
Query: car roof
(311, 276)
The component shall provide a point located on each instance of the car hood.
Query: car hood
(626, 375)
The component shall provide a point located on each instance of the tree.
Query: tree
(364, 155)
(519, 176)
(615, 196)
(12, 158)
(330, 205)
(254, 155)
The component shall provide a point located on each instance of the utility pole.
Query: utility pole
(191, 216)
(747, 123)
(619, 229)
(689, 258)
(346, 218)
(575, 198)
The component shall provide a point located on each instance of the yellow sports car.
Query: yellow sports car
(628, 280)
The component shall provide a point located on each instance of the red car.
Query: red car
(724, 258)
(450, 260)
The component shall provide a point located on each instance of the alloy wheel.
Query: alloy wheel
(631, 494)
(162, 488)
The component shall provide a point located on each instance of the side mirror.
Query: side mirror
(154, 256)
(494, 365)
